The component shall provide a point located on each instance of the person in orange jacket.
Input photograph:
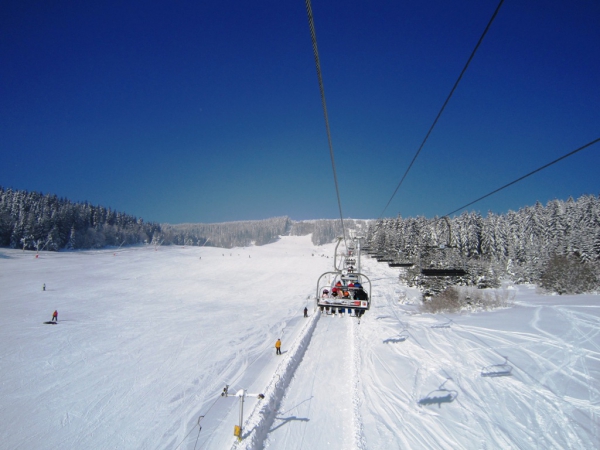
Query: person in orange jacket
(55, 316)
(278, 347)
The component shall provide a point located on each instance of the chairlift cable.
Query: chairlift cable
(525, 176)
(444, 105)
(447, 216)
(313, 36)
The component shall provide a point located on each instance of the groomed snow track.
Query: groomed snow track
(261, 419)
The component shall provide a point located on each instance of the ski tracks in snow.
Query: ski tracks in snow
(550, 401)
(312, 400)
(258, 425)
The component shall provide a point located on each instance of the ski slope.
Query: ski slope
(147, 339)
(318, 408)
(551, 399)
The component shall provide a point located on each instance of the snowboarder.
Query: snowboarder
(305, 311)
(55, 316)
(278, 347)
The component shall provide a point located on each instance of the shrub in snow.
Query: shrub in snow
(455, 299)
(446, 301)
(567, 274)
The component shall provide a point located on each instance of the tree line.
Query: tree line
(255, 232)
(34, 221)
(521, 245)
(556, 245)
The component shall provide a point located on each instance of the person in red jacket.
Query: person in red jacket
(55, 316)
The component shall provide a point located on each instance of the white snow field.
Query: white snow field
(147, 339)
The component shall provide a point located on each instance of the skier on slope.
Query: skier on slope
(305, 311)
(55, 316)
(278, 347)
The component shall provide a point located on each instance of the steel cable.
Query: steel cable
(313, 36)
(527, 175)
(443, 106)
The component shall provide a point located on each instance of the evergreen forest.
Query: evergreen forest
(34, 221)
(525, 246)
(536, 244)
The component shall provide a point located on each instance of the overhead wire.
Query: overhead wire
(443, 106)
(447, 216)
(313, 36)
(525, 176)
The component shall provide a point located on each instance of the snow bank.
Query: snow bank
(262, 417)
(358, 435)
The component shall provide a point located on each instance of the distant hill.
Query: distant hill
(256, 232)
(521, 245)
(37, 221)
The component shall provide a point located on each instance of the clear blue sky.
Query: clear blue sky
(210, 111)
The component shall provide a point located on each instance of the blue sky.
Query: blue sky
(210, 111)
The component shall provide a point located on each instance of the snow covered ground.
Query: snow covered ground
(147, 340)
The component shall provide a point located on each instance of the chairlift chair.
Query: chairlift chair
(428, 271)
(355, 299)
(401, 264)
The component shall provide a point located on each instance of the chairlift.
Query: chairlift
(385, 260)
(443, 272)
(401, 260)
(445, 251)
(497, 370)
(430, 266)
(401, 264)
(350, 297)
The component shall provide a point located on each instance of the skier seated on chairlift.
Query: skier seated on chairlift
(334, 292)
(360, 294)
(345, 294)
(325, 293)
